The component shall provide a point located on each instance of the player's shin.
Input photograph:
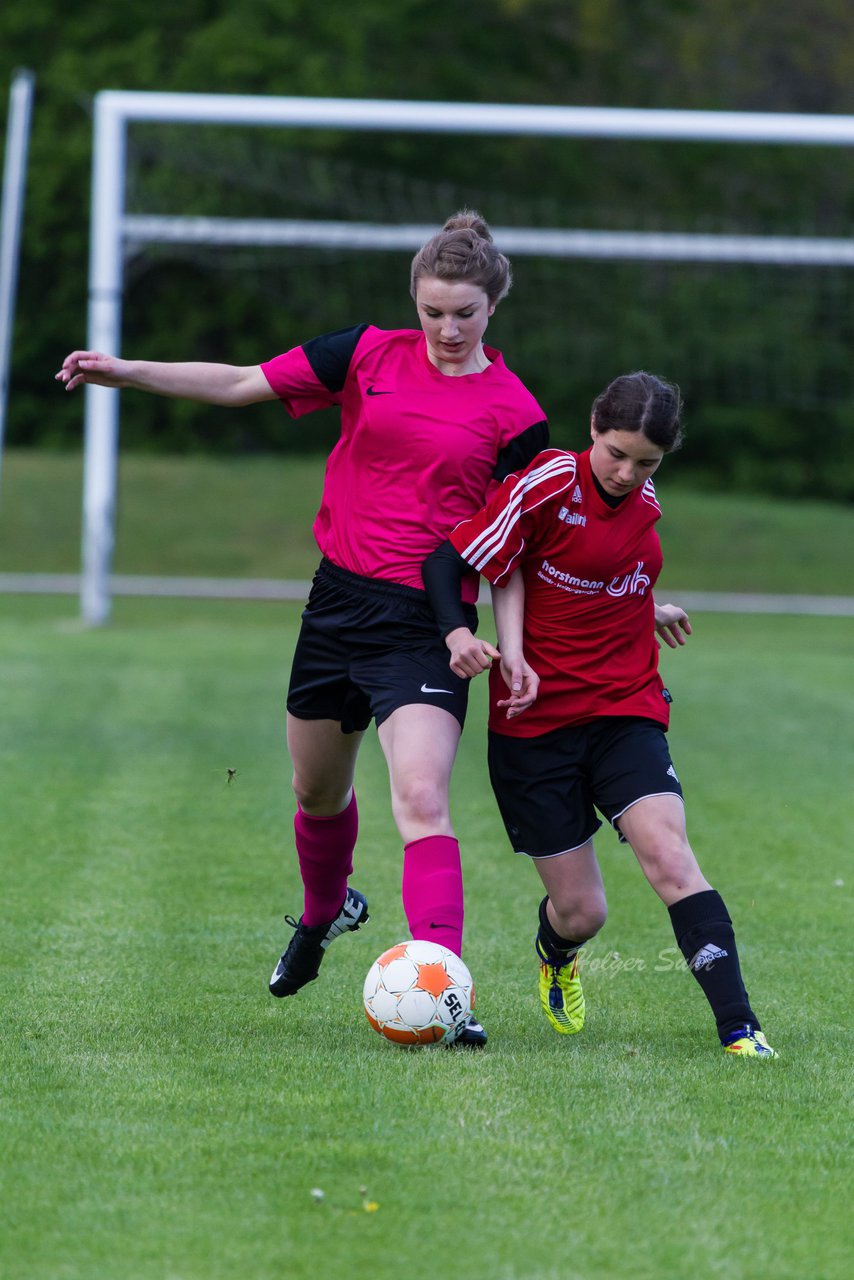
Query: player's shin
(325, 851)
(706, 939)
(433, 891)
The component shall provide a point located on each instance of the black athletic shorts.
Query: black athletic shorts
(549, 787)
(367, 647)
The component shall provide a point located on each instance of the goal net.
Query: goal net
(304, 214)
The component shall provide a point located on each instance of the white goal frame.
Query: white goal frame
(113, 229)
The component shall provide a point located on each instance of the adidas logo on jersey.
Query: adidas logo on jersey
(571, 517)
(576, 494)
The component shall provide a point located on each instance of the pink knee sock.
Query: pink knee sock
(433, 890)
(325, 851)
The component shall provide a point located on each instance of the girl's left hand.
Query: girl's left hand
(523, 683)
(469, 656)
(672, 624)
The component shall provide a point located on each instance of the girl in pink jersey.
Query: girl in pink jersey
(579, 529)
(431, 418)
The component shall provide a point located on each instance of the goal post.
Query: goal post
(113, 229)
(11, 220)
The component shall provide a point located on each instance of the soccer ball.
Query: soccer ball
(418, 993)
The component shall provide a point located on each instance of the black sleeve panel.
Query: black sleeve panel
(331, 353)
(521, 450)
(442, 574)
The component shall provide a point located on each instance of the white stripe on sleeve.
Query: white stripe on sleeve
(485, 545)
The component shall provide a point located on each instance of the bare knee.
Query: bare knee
(320, 797)
(420, 802)
(672, 869)
(324, 762)
(579, 919)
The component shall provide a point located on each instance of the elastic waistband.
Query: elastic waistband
(374, 586)
(379, 588)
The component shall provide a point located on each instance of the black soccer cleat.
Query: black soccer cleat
(471, 1035)
(301, 962)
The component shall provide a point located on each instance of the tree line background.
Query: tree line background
(763, 355)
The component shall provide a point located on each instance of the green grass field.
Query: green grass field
(163, 1118)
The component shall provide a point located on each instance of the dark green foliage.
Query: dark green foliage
(762, 354)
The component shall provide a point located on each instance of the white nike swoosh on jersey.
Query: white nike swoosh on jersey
(424, 689)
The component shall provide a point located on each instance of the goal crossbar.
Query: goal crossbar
(796, 251)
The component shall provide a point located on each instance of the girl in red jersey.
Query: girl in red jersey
(430, 420)
(577, 634)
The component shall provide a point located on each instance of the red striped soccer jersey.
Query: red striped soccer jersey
(589, 570)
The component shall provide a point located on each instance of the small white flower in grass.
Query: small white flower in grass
(839, 883)
(316, 1195)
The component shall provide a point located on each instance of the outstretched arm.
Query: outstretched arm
(522, 681)
(672, 624)
(225, 384)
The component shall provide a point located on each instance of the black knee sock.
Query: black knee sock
(559, 949)
(706, 939)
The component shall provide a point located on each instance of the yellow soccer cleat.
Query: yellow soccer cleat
(748, 1043)
(560, 992)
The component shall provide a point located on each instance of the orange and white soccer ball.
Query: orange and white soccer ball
(418, 993)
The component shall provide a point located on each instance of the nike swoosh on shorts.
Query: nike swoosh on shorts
(425, 689)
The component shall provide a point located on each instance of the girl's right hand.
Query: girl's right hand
(92, 366)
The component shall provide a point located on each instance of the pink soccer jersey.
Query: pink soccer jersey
(589, 571)
(418, 450)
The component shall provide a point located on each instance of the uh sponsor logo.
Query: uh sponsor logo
(634, 583)
(631, 584)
